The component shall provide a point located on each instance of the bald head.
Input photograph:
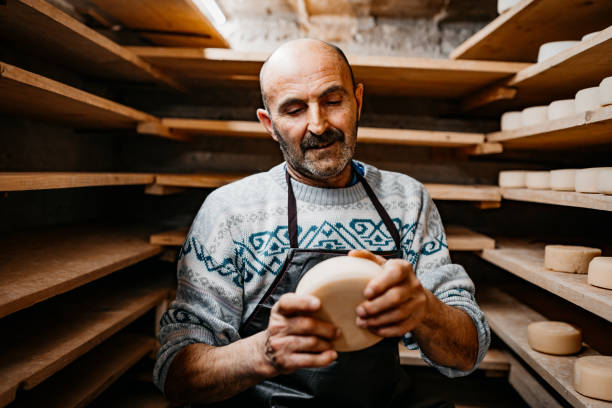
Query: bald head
(289, 58)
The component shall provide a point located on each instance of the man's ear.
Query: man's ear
(359, 99)
(264, 118)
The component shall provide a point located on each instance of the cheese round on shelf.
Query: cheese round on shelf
(587, 180)
(511, 120)
(605, 91)
(505, 5)
(538, 180)
(593, 377)
(600, 272)
(534, 115)
(558, 338)
(562, 180)
(550, 49)
(588, 36)
(339, 283)
(512, 178)
(569, 258)
(587, 99)
(604, 181)
(561, 109)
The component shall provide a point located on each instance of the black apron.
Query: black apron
(372, 377)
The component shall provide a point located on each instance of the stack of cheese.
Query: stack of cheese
(591, 180)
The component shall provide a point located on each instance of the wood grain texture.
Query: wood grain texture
(27, 181)
(496, 360)
(526, 260)
(42, 264)
(463, 192)
(517, 34)
(565, 198)
(528, 387)
(201, 180)
(463, 239)
(174, 237)
(509, 319)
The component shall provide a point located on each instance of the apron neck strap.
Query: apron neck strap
(292, 211)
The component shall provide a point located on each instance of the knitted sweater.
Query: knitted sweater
(238, 243)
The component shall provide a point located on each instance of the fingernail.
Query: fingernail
(314, 302)
(360, 311)
(368, 292)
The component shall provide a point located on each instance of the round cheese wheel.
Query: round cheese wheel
(569, 258)
(534, 115)
(605, 91)
(593, 377)
(562, 180)
(554, 337)
(550, 49)
(538, 180)
(587, 99)
(339, 283)
(604, 181)
(512, 178)
(505, 5)
(511, 120)
(600, 272)
(561, 109)
(588, 36)
(587, 179)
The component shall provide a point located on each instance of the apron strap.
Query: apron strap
(292, 211)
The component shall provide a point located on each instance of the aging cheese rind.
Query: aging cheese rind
(587, 99)
(569, 258)
(558, 338)
(603, 183)
(534, 115)
(512, 178)
(593, 377)
(562, 180)
(561, 109)
(538, 180)
(587, 180)
(600, 272)
(511, 120)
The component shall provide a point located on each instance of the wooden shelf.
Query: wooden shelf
(174, 237)
(28, 181)
(42, 264)
(494, 360)
(566, 198)
(69, 327)
(418, 77)
(517, 34)
(41, 28)
(526, 260)
(591, 128)
(81, 382)
(200, 180)
(509, 318)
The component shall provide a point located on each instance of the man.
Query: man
(238, 335)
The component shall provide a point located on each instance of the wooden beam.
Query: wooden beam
(157, 129)
(463, 192)
(565, 198)
(159, 190)
(28, 181)
(488, 95)
(202, 180)
(483, 149)
(174, 237)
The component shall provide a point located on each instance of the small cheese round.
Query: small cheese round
(511, 120)
(593, 377)
(512, 178)
(562, 180)
(538, 180)
(550, 49)
(588, 36)
(569, 258)
(339, 283)
(534, 115)
(561, 109)
(605, 91)
(587, 99)
(600, 272)
(587, 179)
(505, 5)
(554, 337)
(604, 181)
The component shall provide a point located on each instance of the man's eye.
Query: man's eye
(333, 102)
(294, 111)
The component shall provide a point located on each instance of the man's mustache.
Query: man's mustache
(312, 140)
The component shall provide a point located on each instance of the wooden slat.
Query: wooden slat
(201, 180)
(39, 265)
(174, 237)
(526, 260)
(509, 318)
(165, 22)
(70, 328)
(419, 77)
(496, 360)
(517, 34)
(51, 180)
(591, 128)
(460, 238)
(528, 387)
(565, 198)
(43, 29)
(463, 192)
(27, 94)
(78, 384)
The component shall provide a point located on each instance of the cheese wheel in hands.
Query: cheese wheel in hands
(600, 272)
(569, 258)
(339, 283)
(593, 377)
(558, 338)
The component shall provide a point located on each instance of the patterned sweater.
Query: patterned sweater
(239, 241)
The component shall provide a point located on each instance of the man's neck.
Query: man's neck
(341, 180)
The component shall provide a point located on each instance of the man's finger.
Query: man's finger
(398, 329)
(395, 272)
(393, 316)
(310, 326)
(290, 304)
(391, 299)
(312, 360)
(363, 253)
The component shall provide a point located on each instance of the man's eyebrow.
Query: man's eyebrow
(332, 89)
(289, 102)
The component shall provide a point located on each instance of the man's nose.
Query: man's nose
(317, 121)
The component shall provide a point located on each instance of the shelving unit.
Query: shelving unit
(494, 360)
(28, 181)
(565, 198)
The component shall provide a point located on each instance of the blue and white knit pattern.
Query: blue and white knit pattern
(239, 240)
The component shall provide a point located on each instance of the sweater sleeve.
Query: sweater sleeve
(209, 298)
(447, 281)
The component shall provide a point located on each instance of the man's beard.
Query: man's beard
(315, 169)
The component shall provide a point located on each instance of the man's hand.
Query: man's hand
(396, 301)
(295, 339)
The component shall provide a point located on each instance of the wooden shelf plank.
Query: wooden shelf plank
(509, 318)
(517, 34)
(526, 260)
(529, 387)
(175, 237)
(495, 360)
(42, 264)
(591, 128)
(69, 327)
(27, 94)
(418, 77)
(166, 22)
(81, 382)
(565, 198)
(43, 29)
(27, 181)
(200, 180)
